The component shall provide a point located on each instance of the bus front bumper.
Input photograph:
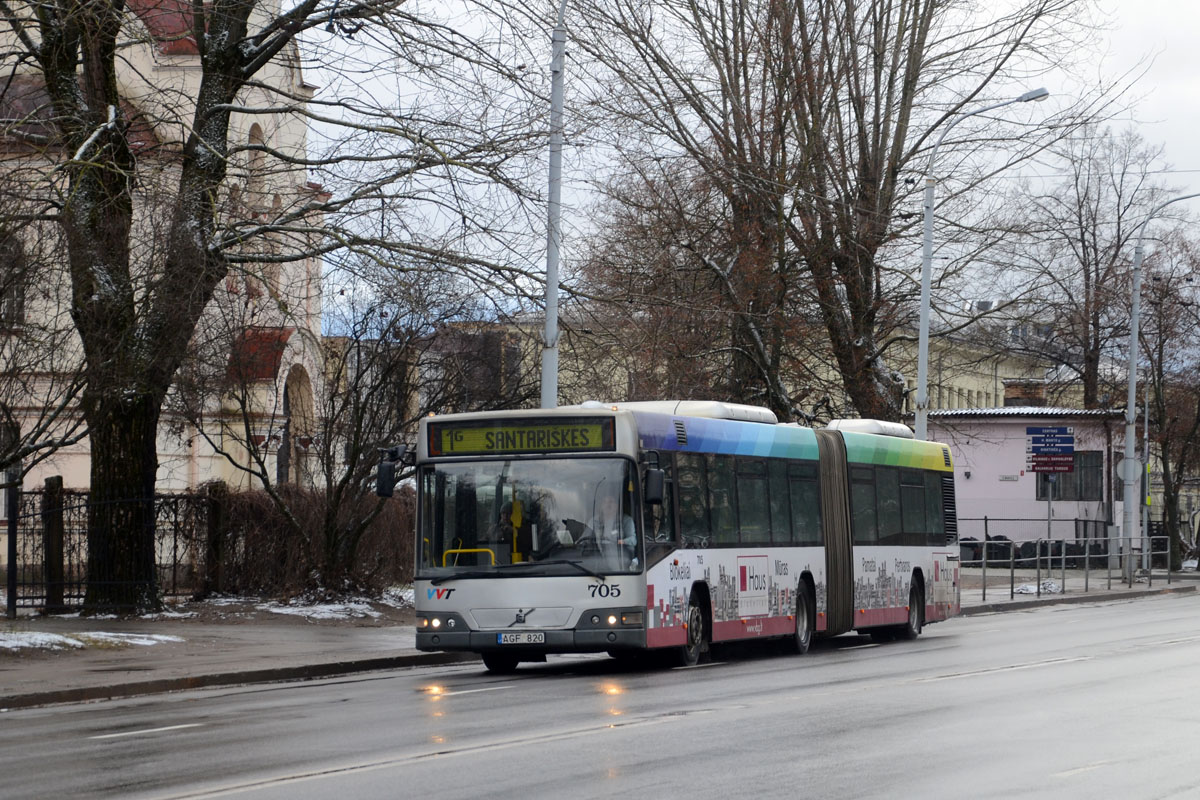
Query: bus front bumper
(586, 637)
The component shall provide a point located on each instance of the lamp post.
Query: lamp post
(1131, 472)
(927, 260)
(558, 53)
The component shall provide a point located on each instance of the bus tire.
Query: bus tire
(916, 614)
(802, 637)
(690, 653)
(500, 663)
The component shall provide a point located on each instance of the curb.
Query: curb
(1020, 605)
(225, 679)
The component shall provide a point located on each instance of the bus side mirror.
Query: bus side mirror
(385, 478)
(653, 490)
(389, 460)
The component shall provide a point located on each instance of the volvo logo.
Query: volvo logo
(521, 615)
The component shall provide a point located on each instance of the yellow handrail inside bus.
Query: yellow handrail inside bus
(487, 550)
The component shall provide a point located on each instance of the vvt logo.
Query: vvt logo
(439, 594)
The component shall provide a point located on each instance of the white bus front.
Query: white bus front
(520, 553)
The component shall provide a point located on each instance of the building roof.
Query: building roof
(1027, 411)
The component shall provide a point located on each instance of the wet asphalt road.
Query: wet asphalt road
(1094, 700)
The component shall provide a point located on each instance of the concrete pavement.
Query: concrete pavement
(108, 658)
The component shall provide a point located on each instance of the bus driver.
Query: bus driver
(614, 531)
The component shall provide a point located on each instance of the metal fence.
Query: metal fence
(46, 552)
(1117, 558)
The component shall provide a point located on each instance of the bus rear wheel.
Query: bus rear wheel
(916, 614)
(500, 663)
(693, 650)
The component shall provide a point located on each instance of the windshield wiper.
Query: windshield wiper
(569, 563)
(501, 571)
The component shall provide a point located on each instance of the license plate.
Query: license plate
(525, 637)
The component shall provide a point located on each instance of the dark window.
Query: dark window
(753, 511)
(862, 505)
(887, 501)
(806, 503)
(933, 510)
(912, 501)
(781, 519)
(659, 521)
(693, 505)
(721, 506)
(1086, 482)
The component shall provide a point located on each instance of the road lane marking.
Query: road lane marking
(1053, 662)
(147, 730)
(471, 691)
(1069, 773)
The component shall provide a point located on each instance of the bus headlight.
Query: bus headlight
(612, 619)
(631, 618)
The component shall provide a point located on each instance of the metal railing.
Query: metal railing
(1131, 559)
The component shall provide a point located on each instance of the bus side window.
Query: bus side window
(912, 501)
(659, 522)
(806, 503)
(887, 504)
(722, 514)
(754, 521)
(781, 515)
(862, 505)
(693, 510)
(935, 520)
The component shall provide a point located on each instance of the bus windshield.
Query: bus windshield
(553, 516)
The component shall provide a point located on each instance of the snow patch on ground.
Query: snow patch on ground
(399, 597)
(349, 609)
(1048, 587)
(21, 640)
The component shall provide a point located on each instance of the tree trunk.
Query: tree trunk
(121, 515)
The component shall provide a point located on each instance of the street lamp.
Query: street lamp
(1131, 471)
(558, 53)
(927, 260)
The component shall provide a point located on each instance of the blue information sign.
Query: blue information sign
(1060, 430)
(1056, 450)
(1051, 440)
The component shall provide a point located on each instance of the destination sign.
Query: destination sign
(514, 436)
(1052, 430)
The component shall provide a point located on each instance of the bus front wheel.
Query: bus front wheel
(500, 663)
(696, 646)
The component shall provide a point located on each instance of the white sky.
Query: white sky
(1168, 31)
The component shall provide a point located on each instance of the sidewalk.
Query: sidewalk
(243, 644)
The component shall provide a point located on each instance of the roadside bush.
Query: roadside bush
(320, 549)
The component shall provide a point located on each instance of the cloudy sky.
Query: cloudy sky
(1168, 31)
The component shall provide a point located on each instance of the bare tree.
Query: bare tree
(401, 345)
(1079, 246)
(808, 124)
(142, 167)
(1171, 346)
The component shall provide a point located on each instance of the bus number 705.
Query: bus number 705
(605, 589)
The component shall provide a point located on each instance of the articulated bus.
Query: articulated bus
(668, 526)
